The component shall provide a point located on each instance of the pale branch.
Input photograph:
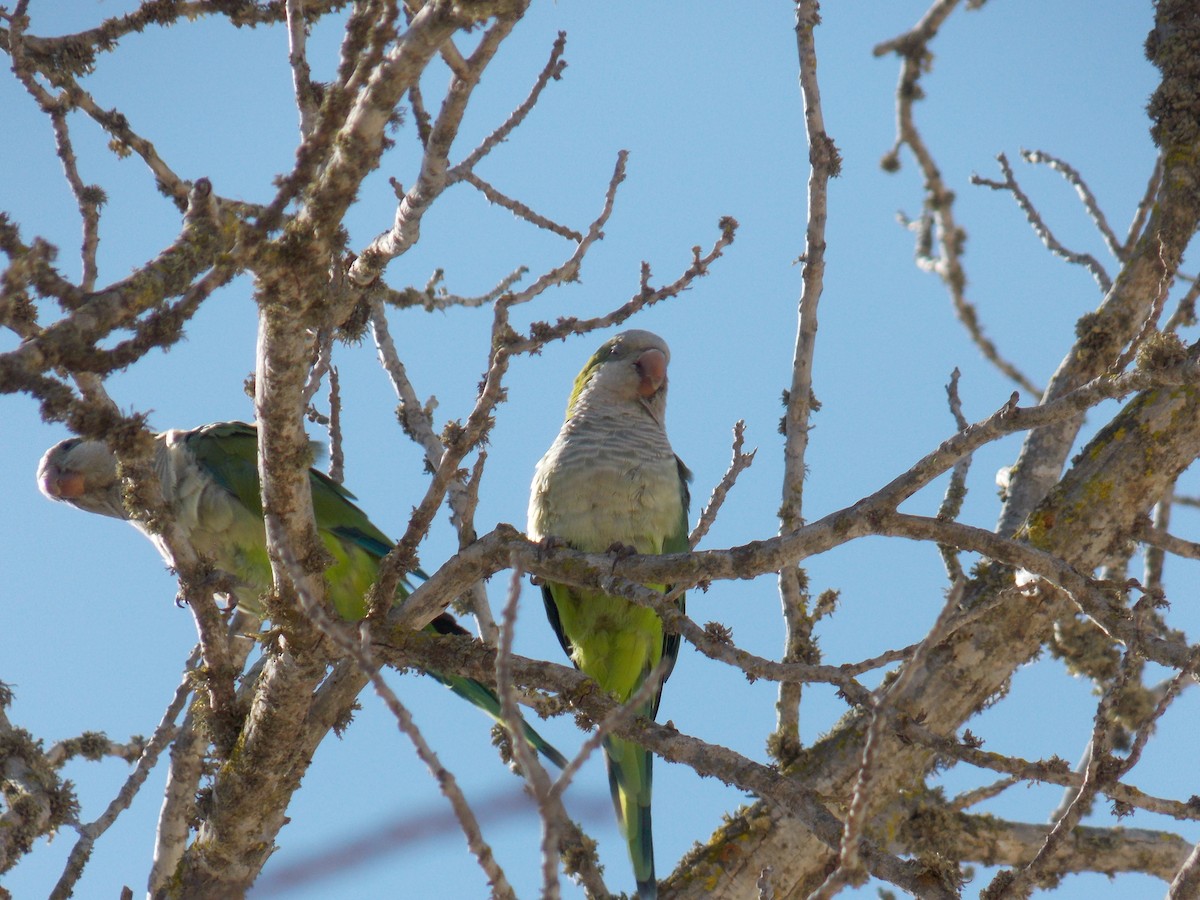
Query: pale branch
(187, 761)
(126, 140)
(434, 176)
(371, 88)
(1040, 228)
(1156, 537)
(526, 758)
(421, 116)
(1166, 696)
(1186, 882)
(738, 464)
(1147, 271)
(937, 224)
(914, 41)
(236, 834)
(475, 601)
(990, 840)
(1089, 595)
(307, 97)
(1076, 180)
(415, 418)
(368, 31)
(60, 60)
(1056, 771)
(1149, 326)
(824, 164)
(179, 803)
(462, 493)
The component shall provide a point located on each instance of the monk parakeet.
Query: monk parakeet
(210, 482)
(611, 479)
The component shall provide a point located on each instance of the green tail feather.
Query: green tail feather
(483, 696)
(630, 778)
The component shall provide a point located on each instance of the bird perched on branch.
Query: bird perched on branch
(210, 483)
(610, 481)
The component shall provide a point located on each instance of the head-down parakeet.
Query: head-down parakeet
(210, 482)
(611, 478)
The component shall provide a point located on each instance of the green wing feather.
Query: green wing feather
(228, 451)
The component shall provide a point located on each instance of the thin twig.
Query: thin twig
(1073, 178)
(940, 239)
(824, 164)
(956, 490)
(519, 209)
(889, 695)
(738, 464)
(1156, 537)
(1144, 207)
(1040, 228)
(88, 833)
(552, 70)
(360, 651)
(967, 799)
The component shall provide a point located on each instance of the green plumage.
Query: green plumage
(611, 478)
(210, 481)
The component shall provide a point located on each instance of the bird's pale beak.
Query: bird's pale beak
(59, 486)
(652, 366)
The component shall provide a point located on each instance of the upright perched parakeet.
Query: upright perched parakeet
(611, 478)
(210, 482)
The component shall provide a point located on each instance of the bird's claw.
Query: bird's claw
(549, 544)
(620, 551)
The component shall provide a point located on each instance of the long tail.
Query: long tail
(484, 697)
(630, 778)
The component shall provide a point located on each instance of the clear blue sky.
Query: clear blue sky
(704, 97)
